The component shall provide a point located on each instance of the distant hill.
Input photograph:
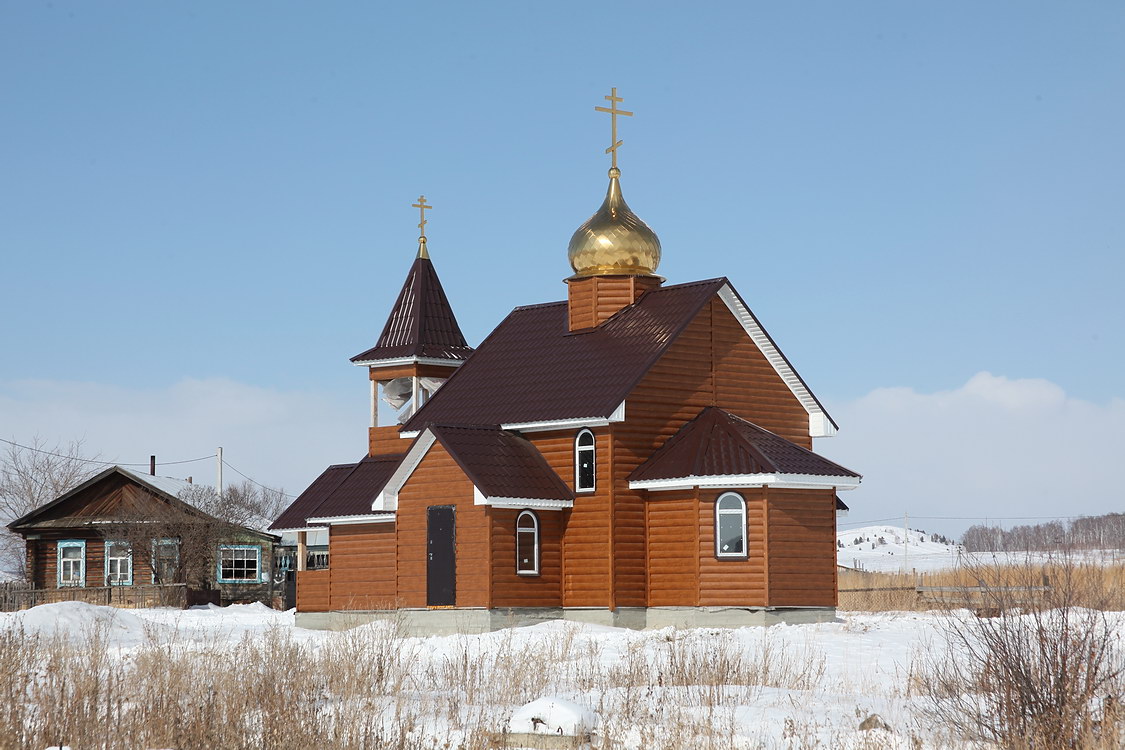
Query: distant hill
(885, 549)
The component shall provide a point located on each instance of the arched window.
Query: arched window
(584, 462)
(730, 526)
(527, 544)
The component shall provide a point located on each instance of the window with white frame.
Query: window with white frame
(527, 544)
(118, 564)
(730, 526)
(239, 563)
(584, 468)
(72, 562)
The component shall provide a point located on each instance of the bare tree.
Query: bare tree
(1043, 668)
(34, 476)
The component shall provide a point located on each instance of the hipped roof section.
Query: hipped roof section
(421, 324)
(340, 490)
(718, 443)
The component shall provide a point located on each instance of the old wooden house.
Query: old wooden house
(639, 453)
(134, 539)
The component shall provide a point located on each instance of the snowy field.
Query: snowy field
(889, 549)
(782, 687)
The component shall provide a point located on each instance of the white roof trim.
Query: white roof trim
(820, 424)
(408, 361)
(479, 498)
(618, 415)
(733, 481)
(347, 520)
(293, 530)
(387, 500)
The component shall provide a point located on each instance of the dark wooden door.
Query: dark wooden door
(441, 557)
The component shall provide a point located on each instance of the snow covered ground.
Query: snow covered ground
(810, 685)
(889, 549)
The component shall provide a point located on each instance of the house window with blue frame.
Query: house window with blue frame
(165, 560)
(72, 562)
(240, 563)
(118, 564)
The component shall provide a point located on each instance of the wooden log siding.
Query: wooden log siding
(673, 549)
(586, 561)
(802, 548)
(746, 383)
(729, 583)
(363, 566)
(512, 590)
(314, 590)
(595, 299)
(440, 481)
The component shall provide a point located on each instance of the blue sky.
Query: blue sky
(907, 195)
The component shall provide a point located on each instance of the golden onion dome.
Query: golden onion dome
(614, 241)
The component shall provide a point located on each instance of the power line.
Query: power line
(968, 518)
(254, 481)
(104, 463)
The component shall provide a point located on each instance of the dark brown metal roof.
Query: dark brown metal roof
(532, 369)
(422, 323)
(717, 443)
(342, 490)
(501, 463)
(300, 510)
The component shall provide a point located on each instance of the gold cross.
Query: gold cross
(613, 111)
(421, 206)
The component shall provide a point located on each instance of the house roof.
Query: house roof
(175, 491)
(501, 463)
(718, 443)
(421, 323)
(531, 368)
(341, 490)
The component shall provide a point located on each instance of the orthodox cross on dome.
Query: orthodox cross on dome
(613, 111)
(421, 206)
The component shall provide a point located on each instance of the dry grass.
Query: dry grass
(373, 688)
(1096, 585)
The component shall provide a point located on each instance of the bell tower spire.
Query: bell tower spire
(420, 347)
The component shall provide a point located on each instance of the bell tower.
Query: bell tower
(420, 348)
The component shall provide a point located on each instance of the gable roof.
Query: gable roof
(717, 444)
(505, 469)
(174, 491)
(531, 369)
(341, 490)
(421, 323)
(501, 463)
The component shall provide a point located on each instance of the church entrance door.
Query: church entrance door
(441, 564)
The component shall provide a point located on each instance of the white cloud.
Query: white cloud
(279, 438)
(995, 447)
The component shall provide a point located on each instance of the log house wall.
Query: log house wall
(362, 566)
(735, 582)
(438, 480)
(512, 590)
(802, 548)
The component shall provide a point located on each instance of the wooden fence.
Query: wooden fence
(17, 595)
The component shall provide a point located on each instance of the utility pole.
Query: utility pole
(219, 470)
(906, 549)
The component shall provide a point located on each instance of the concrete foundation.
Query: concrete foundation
(451, 621)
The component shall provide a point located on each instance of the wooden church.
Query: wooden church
(639, 454)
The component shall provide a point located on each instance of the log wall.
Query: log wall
(586, 565)
(362, 566)
(512, 590)
(734, 582)
(802, 548)
(314, 590)
(438, 480)
(673, 549)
